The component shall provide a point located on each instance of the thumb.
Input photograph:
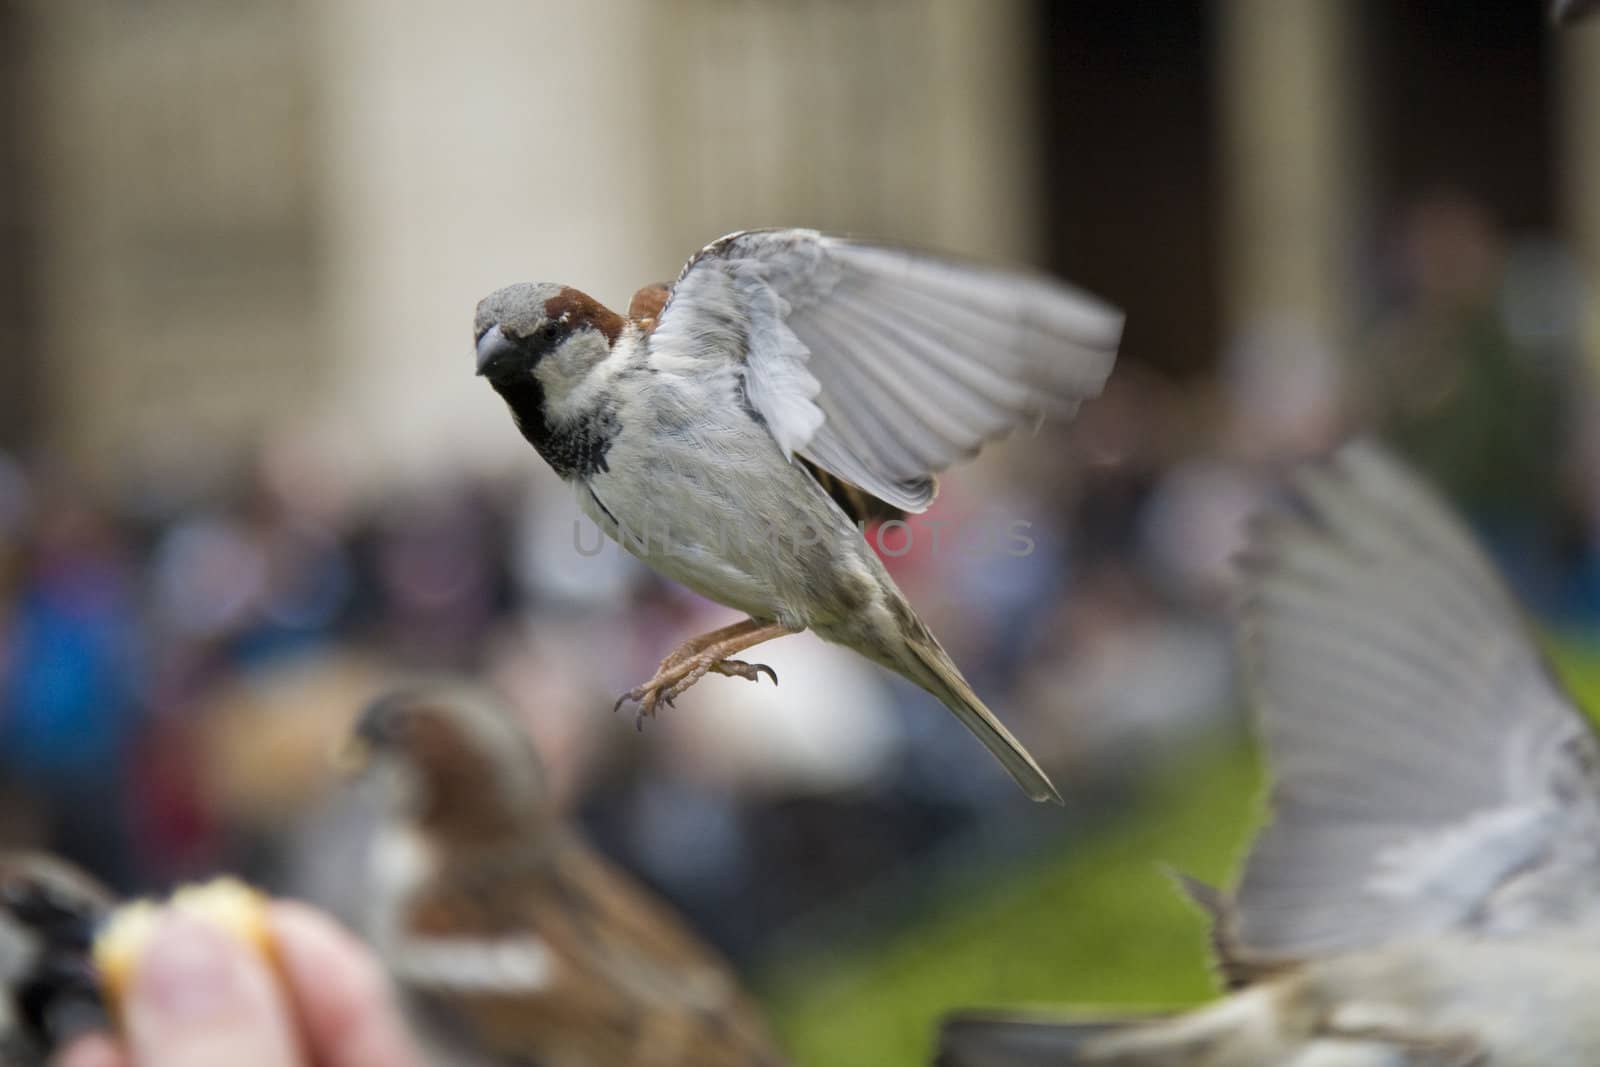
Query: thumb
(200, 998)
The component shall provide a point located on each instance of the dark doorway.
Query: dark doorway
(1129, 184)
(1460, 100)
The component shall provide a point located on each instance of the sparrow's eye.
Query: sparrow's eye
(548, 333)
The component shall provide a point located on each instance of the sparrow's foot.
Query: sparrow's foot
(733, 668)
(647, 696)
(686, 666)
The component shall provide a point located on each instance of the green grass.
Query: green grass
(1098, 925)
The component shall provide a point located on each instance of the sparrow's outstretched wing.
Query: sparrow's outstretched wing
(880, 365)
(1429, 773)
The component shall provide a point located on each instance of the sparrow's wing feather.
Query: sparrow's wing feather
(646, 305)
(857, 503)
(1429, 772)
(880, 365)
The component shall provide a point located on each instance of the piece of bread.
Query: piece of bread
(226, 903)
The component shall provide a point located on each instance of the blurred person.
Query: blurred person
(1449, 384)
(506, 930)
(70, 708)
(1281, 384)
(1425, 892)
(1278, 403)
(16, 501)
(559, 557)
(1132, 677)
(439, 567)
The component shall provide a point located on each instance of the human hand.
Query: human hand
(199, 998)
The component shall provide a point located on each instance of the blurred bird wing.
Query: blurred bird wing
(1429, 773)
(1236, 964)
(49, 914)
(52, 884)
(1019, 1039)
(1260, 1026)
(880, 365)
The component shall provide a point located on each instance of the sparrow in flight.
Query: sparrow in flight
(734, 428)
(49, 990)
(1427, 892)
(515, 941)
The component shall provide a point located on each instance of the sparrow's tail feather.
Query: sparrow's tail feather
(927, 664)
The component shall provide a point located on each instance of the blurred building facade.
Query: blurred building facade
(225, 221)
(250, 219)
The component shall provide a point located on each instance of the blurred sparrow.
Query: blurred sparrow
(520, 944)
(735, 426)
(49, 912)
(1428, 890)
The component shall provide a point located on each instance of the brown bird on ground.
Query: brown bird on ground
(517, 942)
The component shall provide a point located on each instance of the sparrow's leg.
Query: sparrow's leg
(710, 652)
(696, 645)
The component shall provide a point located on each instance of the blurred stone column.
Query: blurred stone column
(461, 148)
(907, 119)
(1287, 88)
(173, 232)
(1580, 99)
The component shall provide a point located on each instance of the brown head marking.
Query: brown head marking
(576, 310)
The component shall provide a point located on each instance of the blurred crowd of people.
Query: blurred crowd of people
(174, 668)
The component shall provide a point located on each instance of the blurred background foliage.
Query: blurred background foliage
(247, 479)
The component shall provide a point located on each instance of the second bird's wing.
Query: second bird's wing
(880, 365)
(1428, 771)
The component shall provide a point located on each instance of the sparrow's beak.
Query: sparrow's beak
(492, 348)
(352, 756)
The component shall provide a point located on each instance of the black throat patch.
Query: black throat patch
(575, 449)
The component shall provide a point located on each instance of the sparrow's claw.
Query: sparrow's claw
(646, 696)
(734, 668)
(695, 659)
